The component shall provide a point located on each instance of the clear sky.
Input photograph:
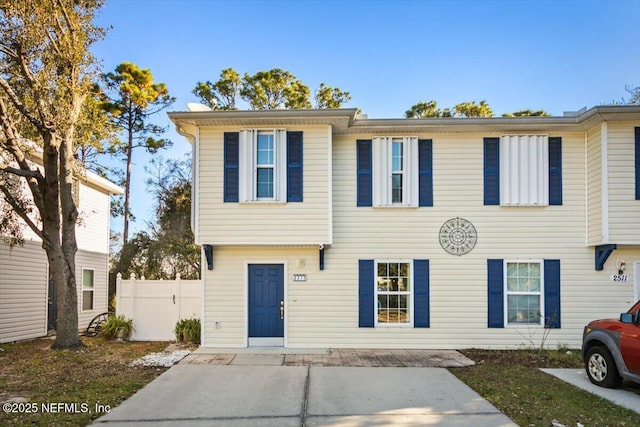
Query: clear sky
(552, 55)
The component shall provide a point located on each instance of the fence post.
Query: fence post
(177, 292)
(118, 293)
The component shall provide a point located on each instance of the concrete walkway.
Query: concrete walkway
(629, 398)
(260, 390)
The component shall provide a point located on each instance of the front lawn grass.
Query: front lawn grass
(512, 381)
(80, 384)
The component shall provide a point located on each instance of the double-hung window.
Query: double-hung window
(263, 165)
(393, 292)
(394, 172)
(397, 172)
(525, 303)
(88, 278)
(523, 292)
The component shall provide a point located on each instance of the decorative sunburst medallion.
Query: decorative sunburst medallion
(458, 236)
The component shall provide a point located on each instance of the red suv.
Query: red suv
(611, 349)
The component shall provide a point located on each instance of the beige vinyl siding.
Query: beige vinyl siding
(92, 232)
(323, 311)
(624, 210)
(259, 223)
(23, 292)
(99, 263)
(594, 187)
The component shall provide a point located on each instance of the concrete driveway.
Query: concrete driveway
(269, 394)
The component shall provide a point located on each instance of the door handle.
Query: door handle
(281, 310)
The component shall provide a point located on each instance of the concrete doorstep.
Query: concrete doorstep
(267, 395)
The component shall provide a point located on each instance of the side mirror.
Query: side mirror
(626, 318)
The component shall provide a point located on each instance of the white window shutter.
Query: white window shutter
(524, 170)
(411, 168)
(381, 171)
(280, 172)
(246, 166)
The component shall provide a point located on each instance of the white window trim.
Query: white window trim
(411, 294)
(93, 290)
(506, 293)
(382, 157)
(524, 170)
(248, 166)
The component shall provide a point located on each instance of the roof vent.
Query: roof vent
(194, 106)
(362, 116)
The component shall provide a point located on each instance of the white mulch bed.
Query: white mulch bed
(165, 359)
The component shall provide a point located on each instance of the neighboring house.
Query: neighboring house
(321, 228)
(27, 301)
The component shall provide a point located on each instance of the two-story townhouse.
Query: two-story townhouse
(322, 228)
(27, 301)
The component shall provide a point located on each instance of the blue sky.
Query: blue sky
(552, 55)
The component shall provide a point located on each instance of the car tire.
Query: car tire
(601, 368)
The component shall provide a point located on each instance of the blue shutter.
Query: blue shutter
(495, 280)
(231, 166)
(364, 167)
(366, 282)
(425, 172)
(492, 171)
(421, 293)
(552, 293)
(555, 171)
(637, 163)
(294, 167)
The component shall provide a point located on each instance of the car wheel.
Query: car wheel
(601, 368)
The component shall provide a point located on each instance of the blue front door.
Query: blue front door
(266, 301)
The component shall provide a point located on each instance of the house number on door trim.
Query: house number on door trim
(458, 236)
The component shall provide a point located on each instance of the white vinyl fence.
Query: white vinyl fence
(156, 305)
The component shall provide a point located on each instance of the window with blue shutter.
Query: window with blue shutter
(425, 172)
(421, 293)
(231, 166)
(555, 171)
(552, 293)
(491, 171)
(637, 132)
(366, 285)
(495, 300)
(364, 172)
(294, 167)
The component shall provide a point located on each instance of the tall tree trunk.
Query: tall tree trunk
(59, 239)
(127, 185)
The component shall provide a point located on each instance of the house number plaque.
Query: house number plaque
(458, 236)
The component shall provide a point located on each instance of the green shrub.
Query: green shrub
(188, 330)
(114, 324)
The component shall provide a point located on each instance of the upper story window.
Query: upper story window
(397, 172)
(263, 165)
(523, 170)
(524, 161)
(394, 172)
